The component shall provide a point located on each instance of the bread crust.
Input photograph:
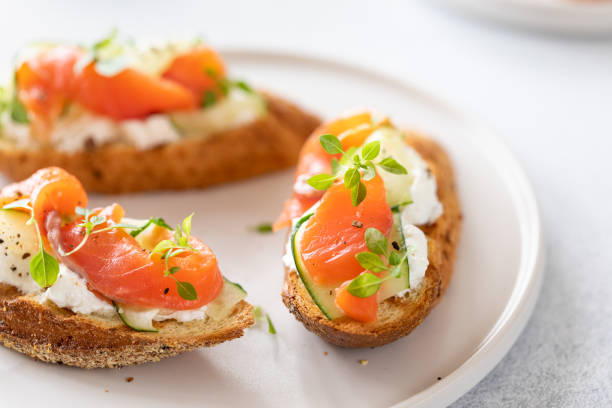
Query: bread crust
(397, 317)
(270, 143)
(55, 335)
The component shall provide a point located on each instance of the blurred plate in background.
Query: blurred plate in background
(562, 16)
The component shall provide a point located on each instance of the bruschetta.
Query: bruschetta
(91, 288)
(374, 222)
(125, 118)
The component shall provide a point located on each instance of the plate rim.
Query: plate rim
(521, 303)
(564, 17)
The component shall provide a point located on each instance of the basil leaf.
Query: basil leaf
(321, 181)
(187, 225)
(208, 99)
(364, 285)
(351, 177)
(370, 262)
(331, 144)
(395, 258)
(44, 269)
(173, 270)
(163, 246)
(23, 203)
(157, 221)
(271, 328)
(370, 171)
(371, 150)
(392, 166)
(358, 193)
(376, 241)
(186, 290)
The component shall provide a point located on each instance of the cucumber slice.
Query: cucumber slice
(224, 303)
(136, 318)
(323, 296)
(393, 286)
(397, 186)
(238, 108)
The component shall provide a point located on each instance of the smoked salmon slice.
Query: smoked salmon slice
(112, 261)
(334, 234)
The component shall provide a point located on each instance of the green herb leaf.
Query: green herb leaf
(23, 203)
(321, 181)
(208, 99)
(187, 225)
(173, 270)
(370, 262)
(371, 150)
(44, 269)
(106, 41)
(395, 258)
(351, 178)
(331, 144)
(370, 171)
(19, 113)
(244, 86)
(163, 246)
(358, 193)
(257, 313)
(224, 85)
(271, 328)
(157, 221)
(364, 285)
(392, 166)
(376, 241)
(264, 228)
(186, 290)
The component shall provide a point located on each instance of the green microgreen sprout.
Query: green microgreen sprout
(379, 258)
(259, 315)
(353, 166)
(263, 228)
(224, 85)
(170, 248)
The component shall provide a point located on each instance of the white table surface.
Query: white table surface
(550, 97)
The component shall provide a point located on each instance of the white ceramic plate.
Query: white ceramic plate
(564, 16)
(492, 293)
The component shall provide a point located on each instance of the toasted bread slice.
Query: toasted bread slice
(397, 316)
(270, 143)
(55, 335)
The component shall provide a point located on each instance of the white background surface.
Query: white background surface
(550, 97)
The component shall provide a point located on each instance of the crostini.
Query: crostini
(91, 288)
(125, 118)
(375, 221)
